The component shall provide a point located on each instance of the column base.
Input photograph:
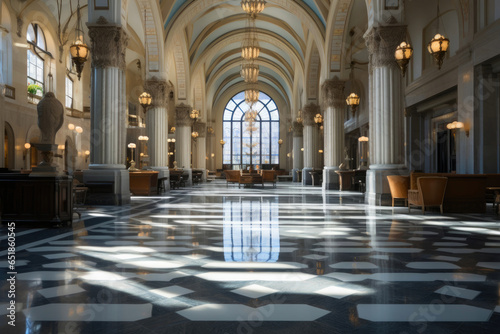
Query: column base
(295, 176)
(163, 172)
(331, 179)
(107, 185)
(377, 186)
(189, 181)
(307, 179)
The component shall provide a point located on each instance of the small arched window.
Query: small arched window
(35, 64)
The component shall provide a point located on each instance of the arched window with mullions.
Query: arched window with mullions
(259, 140)
(35, 65)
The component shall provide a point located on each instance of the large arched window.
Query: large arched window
(35, 65)
(260, 140)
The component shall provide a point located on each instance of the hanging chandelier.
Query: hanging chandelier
(439, 44)
(195, 134)
(318, 119)
(250, 115)
(403, 55)
(253, 7)
(250, 72)
(79, 50)
(251, 96)
(250, 49)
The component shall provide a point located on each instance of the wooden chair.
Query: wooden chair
(399, 187)
(232, 176)
(268, 176)
(431, 190)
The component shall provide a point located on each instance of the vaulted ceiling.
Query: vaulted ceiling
(204, 38)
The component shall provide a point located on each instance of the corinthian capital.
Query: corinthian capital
(333, 93)
(159, 90)
(382, 42)
(309, 111)
(108, 43)
(182, 115)
(298, 129)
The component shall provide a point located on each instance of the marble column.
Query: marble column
(108, 113)
(157, 126)
(183, 140)
(298, 161)
(386, 111)
(310, 141)
(334, 104)
(201, 148)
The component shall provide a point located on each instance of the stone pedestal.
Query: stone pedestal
(46, 168)
(377, 186)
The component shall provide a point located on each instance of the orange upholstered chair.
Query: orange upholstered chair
(399, 187)
(430, 192)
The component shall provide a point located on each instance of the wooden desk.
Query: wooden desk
(144, 183)
(345, 179)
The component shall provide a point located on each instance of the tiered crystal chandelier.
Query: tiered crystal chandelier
(253, 7)
(250, 49)
(250, 72)
(251, 95)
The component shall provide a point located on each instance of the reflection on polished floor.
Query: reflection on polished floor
(290, 259)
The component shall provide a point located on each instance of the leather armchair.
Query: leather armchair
(430, 192)
(399, 187)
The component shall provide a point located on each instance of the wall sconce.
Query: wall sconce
(458, 125)
(87, 154)
(194, 114)
(71, 126)
(302, 149)
(79, 129)
(213, 155)
(280, 142)
(222, 143)
(172, 129)
(299, 117)
(288, 155)
(363, 139)
(195, 135)
(320, 151)
(145, 101)
(27, 147)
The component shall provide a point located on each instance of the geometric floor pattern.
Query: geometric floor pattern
(290, 259)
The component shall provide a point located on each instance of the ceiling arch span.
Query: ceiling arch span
(265, 54)
(211, 52)
(261, 62)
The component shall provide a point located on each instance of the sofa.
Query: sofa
(465, 193)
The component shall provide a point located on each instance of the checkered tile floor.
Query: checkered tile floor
(291, 259)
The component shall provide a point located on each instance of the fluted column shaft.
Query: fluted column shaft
(310, 136)
(386, 111)
(334, 103)
(298, 141)
(183, 133)
(387, 100)
(108, 95)
(157, 122)
(201, 145)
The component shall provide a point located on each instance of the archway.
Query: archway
(9, 147)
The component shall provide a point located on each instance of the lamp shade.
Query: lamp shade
(438, 43)
(352, 100)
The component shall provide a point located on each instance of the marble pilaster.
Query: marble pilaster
(298, 156)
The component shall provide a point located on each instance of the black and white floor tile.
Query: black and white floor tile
(290, 259)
